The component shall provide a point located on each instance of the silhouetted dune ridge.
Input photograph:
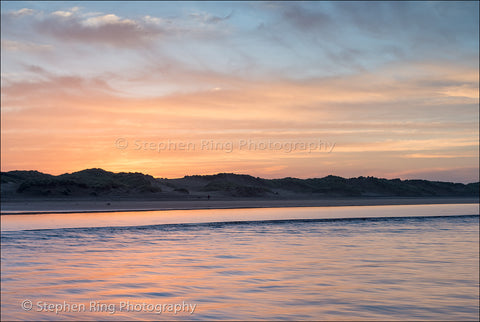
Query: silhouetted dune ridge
(98, 182)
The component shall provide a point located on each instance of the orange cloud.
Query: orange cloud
(59, 123)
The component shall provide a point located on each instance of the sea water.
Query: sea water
(349, 265)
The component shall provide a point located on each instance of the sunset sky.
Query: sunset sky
(270, 89)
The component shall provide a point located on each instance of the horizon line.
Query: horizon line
(243, 174)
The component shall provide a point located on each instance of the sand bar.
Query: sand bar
(75, 206)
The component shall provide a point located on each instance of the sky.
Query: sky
(271, 89)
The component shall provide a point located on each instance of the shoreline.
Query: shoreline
(32, 207)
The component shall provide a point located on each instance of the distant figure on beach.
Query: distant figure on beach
(208, 197)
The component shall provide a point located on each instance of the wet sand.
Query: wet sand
(75, 206)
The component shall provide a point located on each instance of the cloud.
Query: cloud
(437, 156)
(12, 45)
(155, 20)
(206, 75)
(306, 19)
(10, 17)
(448, 174)
(75, 114)
(419, 26)
(22, 12)
(108, 29)
(66, 13)
(109, 19)
(352, 36)
(44, 89)
(390, 145)
(337, 105)
(76, 26)
(205, 17)
(62, 13)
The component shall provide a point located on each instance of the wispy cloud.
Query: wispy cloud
(104, 29)
(12, 45)
(394, 85)
(205, 17)
(307, 20)
(21, 12)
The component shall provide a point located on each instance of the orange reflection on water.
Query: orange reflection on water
(139, 218)
(410, 268)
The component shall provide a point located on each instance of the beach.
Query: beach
(36, 206)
